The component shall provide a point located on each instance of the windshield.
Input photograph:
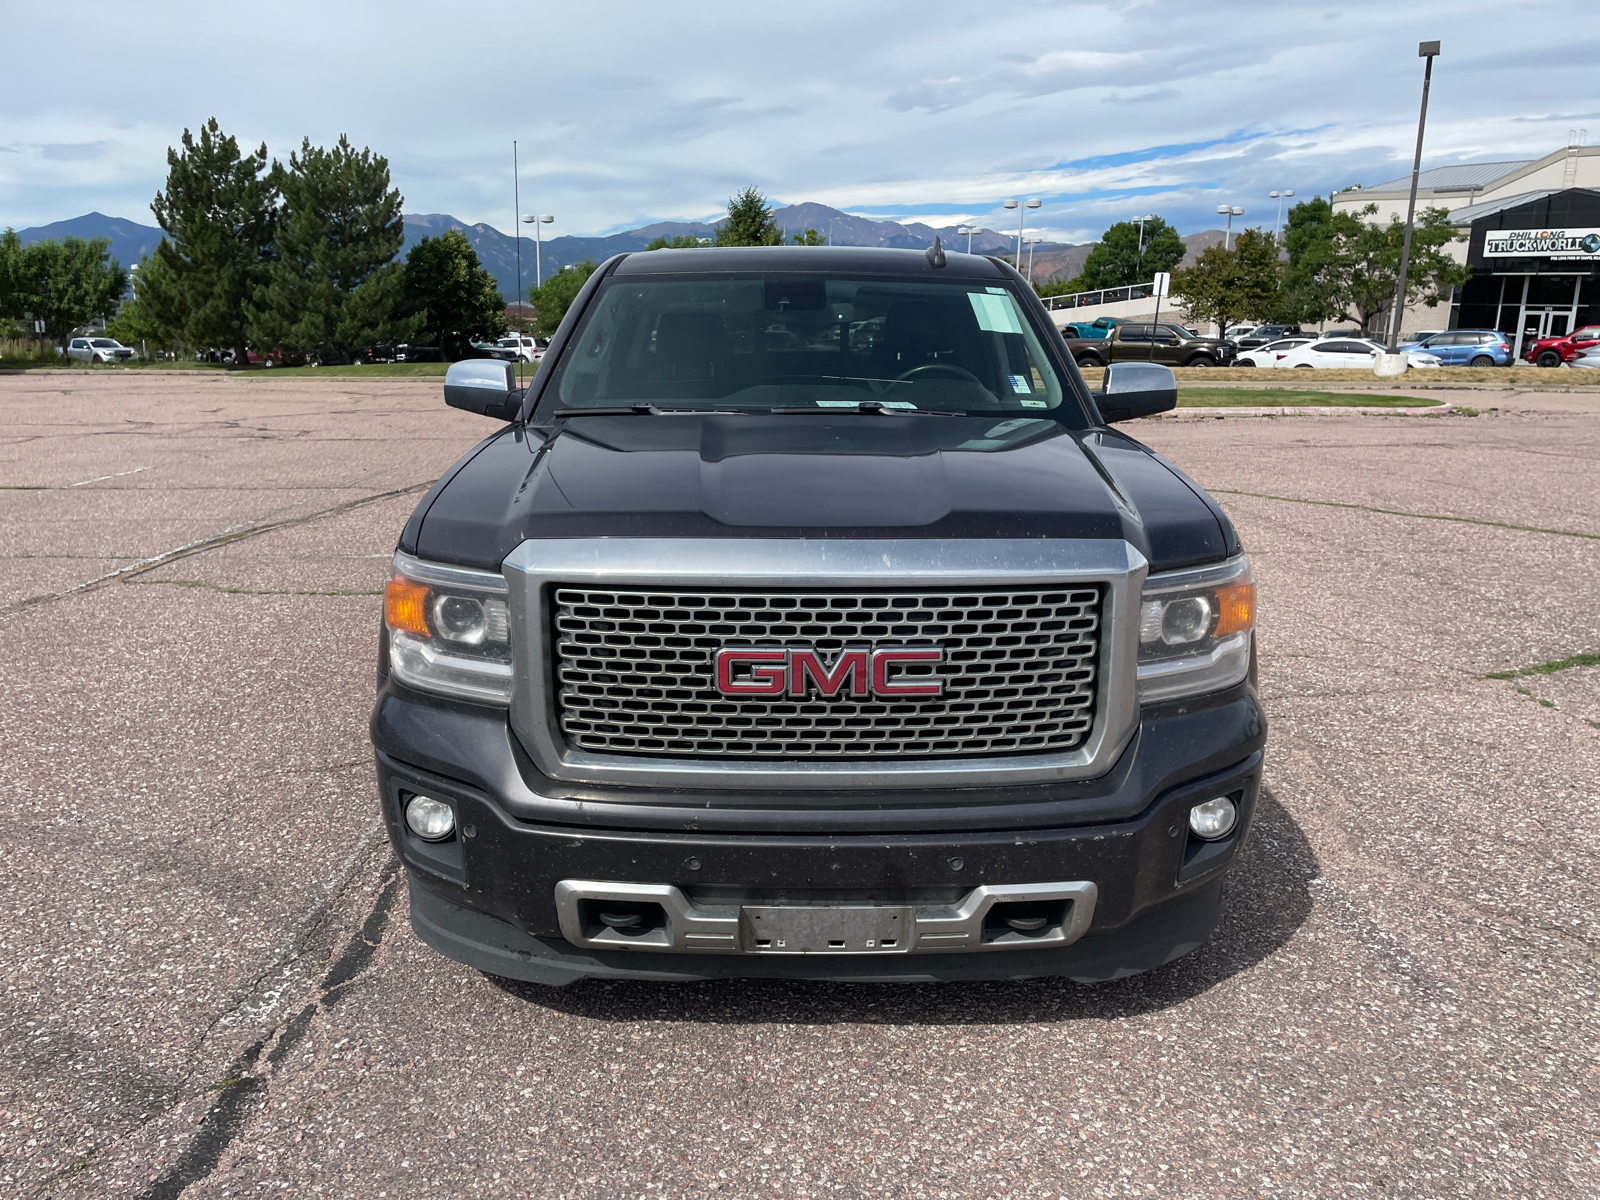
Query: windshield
(757, 343)
(105, 343)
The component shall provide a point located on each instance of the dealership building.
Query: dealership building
(1533, 241)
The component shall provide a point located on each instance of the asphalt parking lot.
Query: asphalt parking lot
(210, 986)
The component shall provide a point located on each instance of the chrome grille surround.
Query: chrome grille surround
(539, 569)
(635, 671)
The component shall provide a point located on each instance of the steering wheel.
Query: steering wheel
(961, 372)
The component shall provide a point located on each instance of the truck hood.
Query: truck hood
(814, 476)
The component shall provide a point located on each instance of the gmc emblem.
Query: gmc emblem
(857, 671)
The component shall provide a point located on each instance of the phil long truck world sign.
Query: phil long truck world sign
(1541, 243)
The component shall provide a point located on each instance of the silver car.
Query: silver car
(99, 350)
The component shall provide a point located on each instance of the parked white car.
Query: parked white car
(99, 350)
(1268, 355)
(1348, 353)
(518, 346)
(1587, 358)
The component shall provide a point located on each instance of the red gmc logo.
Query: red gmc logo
(857, 671)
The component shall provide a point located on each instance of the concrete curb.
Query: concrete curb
(1306, 411)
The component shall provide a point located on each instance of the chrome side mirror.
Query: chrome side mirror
(1135, 389)
(487, 386)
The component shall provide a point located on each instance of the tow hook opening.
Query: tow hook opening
(1025, 920)
(624, 918)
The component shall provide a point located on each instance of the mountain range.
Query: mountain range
(130, 241)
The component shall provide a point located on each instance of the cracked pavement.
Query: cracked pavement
(210, 986)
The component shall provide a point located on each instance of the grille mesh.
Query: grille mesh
(635, 672)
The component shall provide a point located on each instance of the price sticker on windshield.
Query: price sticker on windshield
(996, 314)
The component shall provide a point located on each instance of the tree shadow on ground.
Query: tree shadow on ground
(1267, 898)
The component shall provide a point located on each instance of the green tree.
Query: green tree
(1363, 271)
(219, 212)
(809, 238)
(67, 283)
(137, 320)
(1116, 261)
(749, 222)
(681, 241)
(452, 298)
(333, 285)
(1060, 286)
(1308, 290)
(1226, 285)
(559, 291)
(11, 300)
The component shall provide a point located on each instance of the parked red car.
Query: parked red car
(1552, 352)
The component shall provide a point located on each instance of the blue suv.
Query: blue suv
(1466, 347)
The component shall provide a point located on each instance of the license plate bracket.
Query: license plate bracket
(826, 929)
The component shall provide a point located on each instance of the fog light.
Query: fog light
(432, 820)
(1214, 819)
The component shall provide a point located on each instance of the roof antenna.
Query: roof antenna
(935, 254)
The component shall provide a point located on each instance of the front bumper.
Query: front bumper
(491, 896)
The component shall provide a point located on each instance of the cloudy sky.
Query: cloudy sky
(630, 112)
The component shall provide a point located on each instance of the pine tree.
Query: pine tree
(749, 222)
(452, 298)
(334, 286)
(218, 211)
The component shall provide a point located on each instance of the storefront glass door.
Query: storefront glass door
(1537, 306)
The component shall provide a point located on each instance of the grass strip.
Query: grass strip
(1396, 512)
(1226, 397)
(1549, 668)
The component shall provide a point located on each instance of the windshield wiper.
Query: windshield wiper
(643, 410)
(876, 408)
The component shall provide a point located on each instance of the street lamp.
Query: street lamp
(1224, 210)
(1022, 207)
(968, 230)
(1429, 51)
(1142, 220)
(1278, 223)
(536, 221)
(1032, 242)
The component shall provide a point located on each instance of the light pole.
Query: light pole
(1278, 223)
(1032, 242)
(536, 221)
(1230, 212)
(1429, 51)
(1022, 207)
(969, 231)
(1142, 220)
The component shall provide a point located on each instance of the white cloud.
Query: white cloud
(635, 112)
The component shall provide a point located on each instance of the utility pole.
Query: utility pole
(1428, 51)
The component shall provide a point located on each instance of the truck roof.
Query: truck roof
(847, 260)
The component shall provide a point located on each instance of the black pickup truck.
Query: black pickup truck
(1168, 344)
(808, 616)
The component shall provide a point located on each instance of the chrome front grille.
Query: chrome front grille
(634, 671)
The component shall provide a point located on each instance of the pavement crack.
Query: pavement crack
(233, 533)
(1396, 512)
(249, 1078)
(240, 591)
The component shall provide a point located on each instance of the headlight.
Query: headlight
(1195, 629)
(449, 630)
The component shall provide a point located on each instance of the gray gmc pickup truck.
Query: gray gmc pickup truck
(809, 616)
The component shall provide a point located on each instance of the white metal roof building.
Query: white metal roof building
(1473, 191)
